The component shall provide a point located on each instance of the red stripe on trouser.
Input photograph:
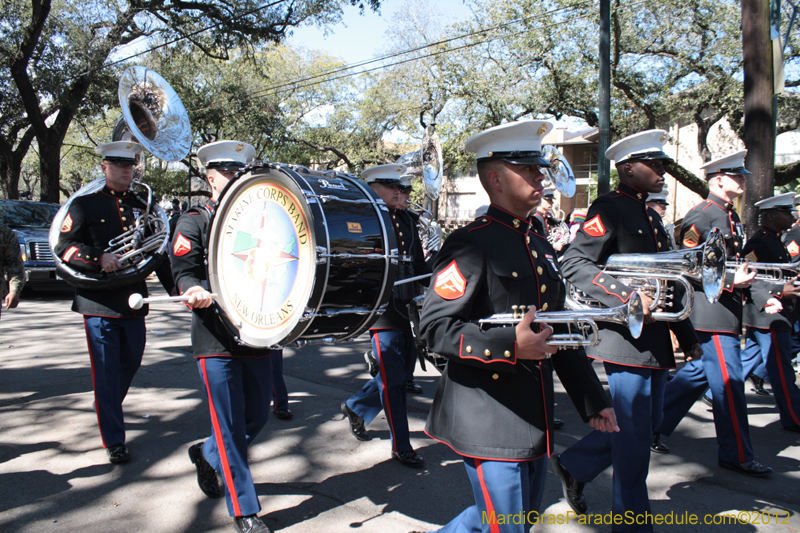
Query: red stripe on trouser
(94, 387)
(494, 527)
(387, 405)
(784, 386)
(729, 395)
(223, 455)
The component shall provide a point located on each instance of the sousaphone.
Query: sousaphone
(152, 115)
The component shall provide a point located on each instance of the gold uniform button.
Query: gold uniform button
(639, 195)
(507, 354)
(602, 280)
(544, 288)
(514, 274)
(624, 293)
(516, 223)
(122, 209)
(102, 220)
(540, 270)
(484, 220)
(528, 239)
(404, 243)
(123, 218)
(487, 353)
(401, 233)
(560, 276)
(651, 218)
(495, 376)
(640, 231)
(469, 349)
(545, 306)
(659, 245)
(535, 255)
(613, 286)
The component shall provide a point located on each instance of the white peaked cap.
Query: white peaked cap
(384, 173)
(729, 164)
(515, 142)
(120, 150)
(643, 146)
(228, 155)
(780, 201)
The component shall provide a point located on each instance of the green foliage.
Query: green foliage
(592, 188)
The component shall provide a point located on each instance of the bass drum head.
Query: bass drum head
(261, 257)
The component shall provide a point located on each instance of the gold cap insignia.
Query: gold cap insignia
(542, 129)
(130, 145)
(240, 147)
(663, 138)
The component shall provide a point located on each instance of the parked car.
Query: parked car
(31, 222)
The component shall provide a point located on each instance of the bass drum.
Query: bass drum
(298, 255)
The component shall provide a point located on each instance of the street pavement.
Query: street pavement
(311, 474)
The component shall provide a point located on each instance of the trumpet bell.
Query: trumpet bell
(635, 311)
(560, 173)
(154, 113)
(427, 162)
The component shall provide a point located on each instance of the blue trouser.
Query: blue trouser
(720, 369)
(795, 349)
(396, 355)
(512, 489)
(754, 362)
(637, 394)
(280, 395)
(776, 347)
(239, 391)
(116, 346)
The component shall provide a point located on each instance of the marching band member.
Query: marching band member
(115, 332)
(719, 327)
(494, 402)
(792, 241)
(237, 379)
(392, 342)
(768, 335)
(619, 222)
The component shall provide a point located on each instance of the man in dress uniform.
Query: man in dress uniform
(237, 379)
(619, 222)
(792, 241)
(494, 402)
(392, 341)
(768, 334)
(115, 332)
(719, 327)
(11, 268)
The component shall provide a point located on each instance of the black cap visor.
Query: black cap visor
(120, 160)
(737, 171)
(518, 158)
(387, 181)
(223, 166)
(647, 156)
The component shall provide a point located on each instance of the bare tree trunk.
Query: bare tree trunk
(759, 136)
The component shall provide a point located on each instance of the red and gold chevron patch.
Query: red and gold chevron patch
(594, 227)
(66, 227)
(691, 238)
(68, 255)
(450, 283)
(793, 249)
(752, 256)
(181, 246)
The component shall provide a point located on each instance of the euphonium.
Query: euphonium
(581, 324)
(651, 273)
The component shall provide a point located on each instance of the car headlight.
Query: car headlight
(23, 252)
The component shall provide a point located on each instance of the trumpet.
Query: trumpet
(581, 324)
(770, 272)
(651, 273)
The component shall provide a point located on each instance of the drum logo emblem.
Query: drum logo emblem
(267, 256)
(354, 227)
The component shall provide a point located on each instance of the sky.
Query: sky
(358, 37)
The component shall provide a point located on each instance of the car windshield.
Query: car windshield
(27, 214)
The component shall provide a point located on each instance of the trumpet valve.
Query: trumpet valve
(514, 312)
(522, 311)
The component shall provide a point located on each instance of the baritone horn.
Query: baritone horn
(651, 273)
(581, 324)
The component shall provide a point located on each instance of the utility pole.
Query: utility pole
(604, 99)
(759, 133)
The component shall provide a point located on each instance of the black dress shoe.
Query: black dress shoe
(573, 489)
(372, 364)
(412, 387)
(409, 458)
(284, 414)
(356, 423)
(658, 446)
(758, 385)
(794, 429)
(206, 475)
(118, 453)
(250, 524)
(749, 468)
(558, 423)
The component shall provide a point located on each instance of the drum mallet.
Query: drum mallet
(409, 280)
(136, 301)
